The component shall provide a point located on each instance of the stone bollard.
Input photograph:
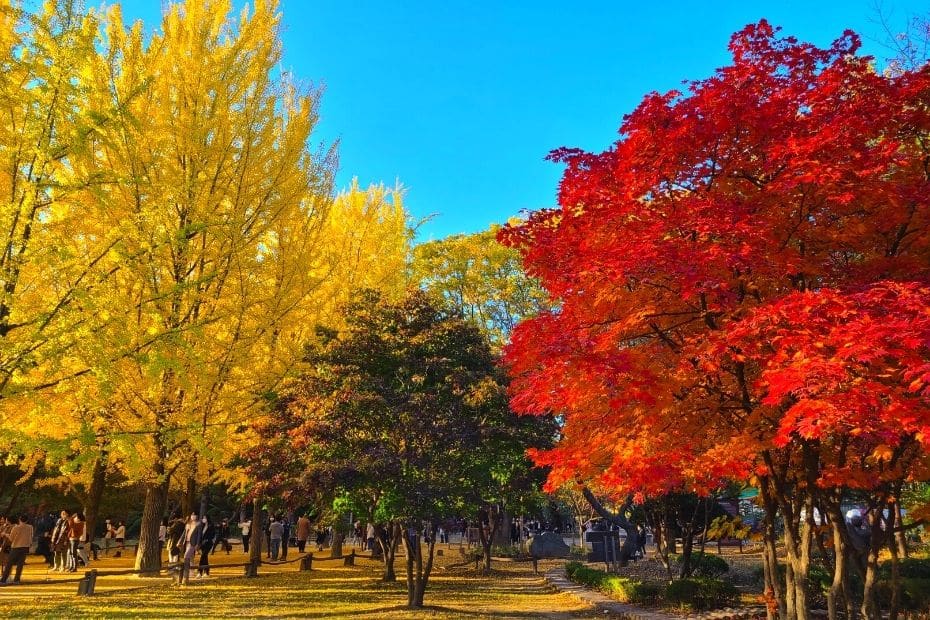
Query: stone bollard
(306, 563)
(349, 560)
(88, 583)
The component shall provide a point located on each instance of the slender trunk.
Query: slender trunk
(900, 536)
(258, 536)
(412, 547)
(148, 556)
(839, 565)
(891, 523)
(425, 569)
(486, 538)
(388, 546)
(706, 520)
(775, 592)
(98, 479)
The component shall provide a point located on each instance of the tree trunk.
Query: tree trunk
(204, 501)
(900, 536)
(94, 495)
(839, 568)
(870, 607)
(631, 544)
(890, 525)
(148, 556)
(412, 547)
(775, 593)
(257, 536)
(338, 537)
(418, 572)
(187, 498)
(389, 550)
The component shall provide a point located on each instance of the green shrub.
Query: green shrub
(819, 578)
(706, 564)
(912, 568)
(571, 567)
(623, 589)
(701, 593)
(915, 594)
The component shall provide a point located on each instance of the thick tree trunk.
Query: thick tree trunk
(204, 501)
(98, 479)
(148, 556)
(189, 496)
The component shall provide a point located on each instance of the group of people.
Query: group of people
(185, 538)
(279, 535)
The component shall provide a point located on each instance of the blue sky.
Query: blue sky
(461, 101)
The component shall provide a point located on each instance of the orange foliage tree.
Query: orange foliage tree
(741, 287)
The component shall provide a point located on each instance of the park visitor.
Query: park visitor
(222, 537)
(175, 540)
(207, 537)
(119, 535)
(285, 536)
(75, 538)
(192, 533)
(275, 531)
(303, 532)
(19, 540)
(246, 528)
(60, 543)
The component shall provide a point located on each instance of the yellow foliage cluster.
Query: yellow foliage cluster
(171, 239)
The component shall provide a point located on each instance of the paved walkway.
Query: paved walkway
(601, 602)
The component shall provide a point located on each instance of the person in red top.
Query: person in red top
(20, 540)
(75, 535)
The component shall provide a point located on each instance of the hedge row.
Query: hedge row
(697, 593)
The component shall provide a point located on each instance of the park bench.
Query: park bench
(730, 542)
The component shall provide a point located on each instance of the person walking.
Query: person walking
(20, 539)
(60, 542)
(303, 532)
(285, 536)
(75, 537)
(275, 531)
(175, 540)
(246, 528)
(207, 539)
(370, 536)
(222, 537)
(108, 537)
(120, 537)
(192, 534)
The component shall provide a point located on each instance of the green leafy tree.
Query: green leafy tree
(402, 410)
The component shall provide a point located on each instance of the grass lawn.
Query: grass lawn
(329, 591)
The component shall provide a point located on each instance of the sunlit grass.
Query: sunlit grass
(330, 590)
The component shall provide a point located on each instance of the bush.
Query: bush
(910, 568)
(701, 593)
(706, 564)
(571, 567)
(915, 593)
(622, 588)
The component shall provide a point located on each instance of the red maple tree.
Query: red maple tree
(741, 291)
